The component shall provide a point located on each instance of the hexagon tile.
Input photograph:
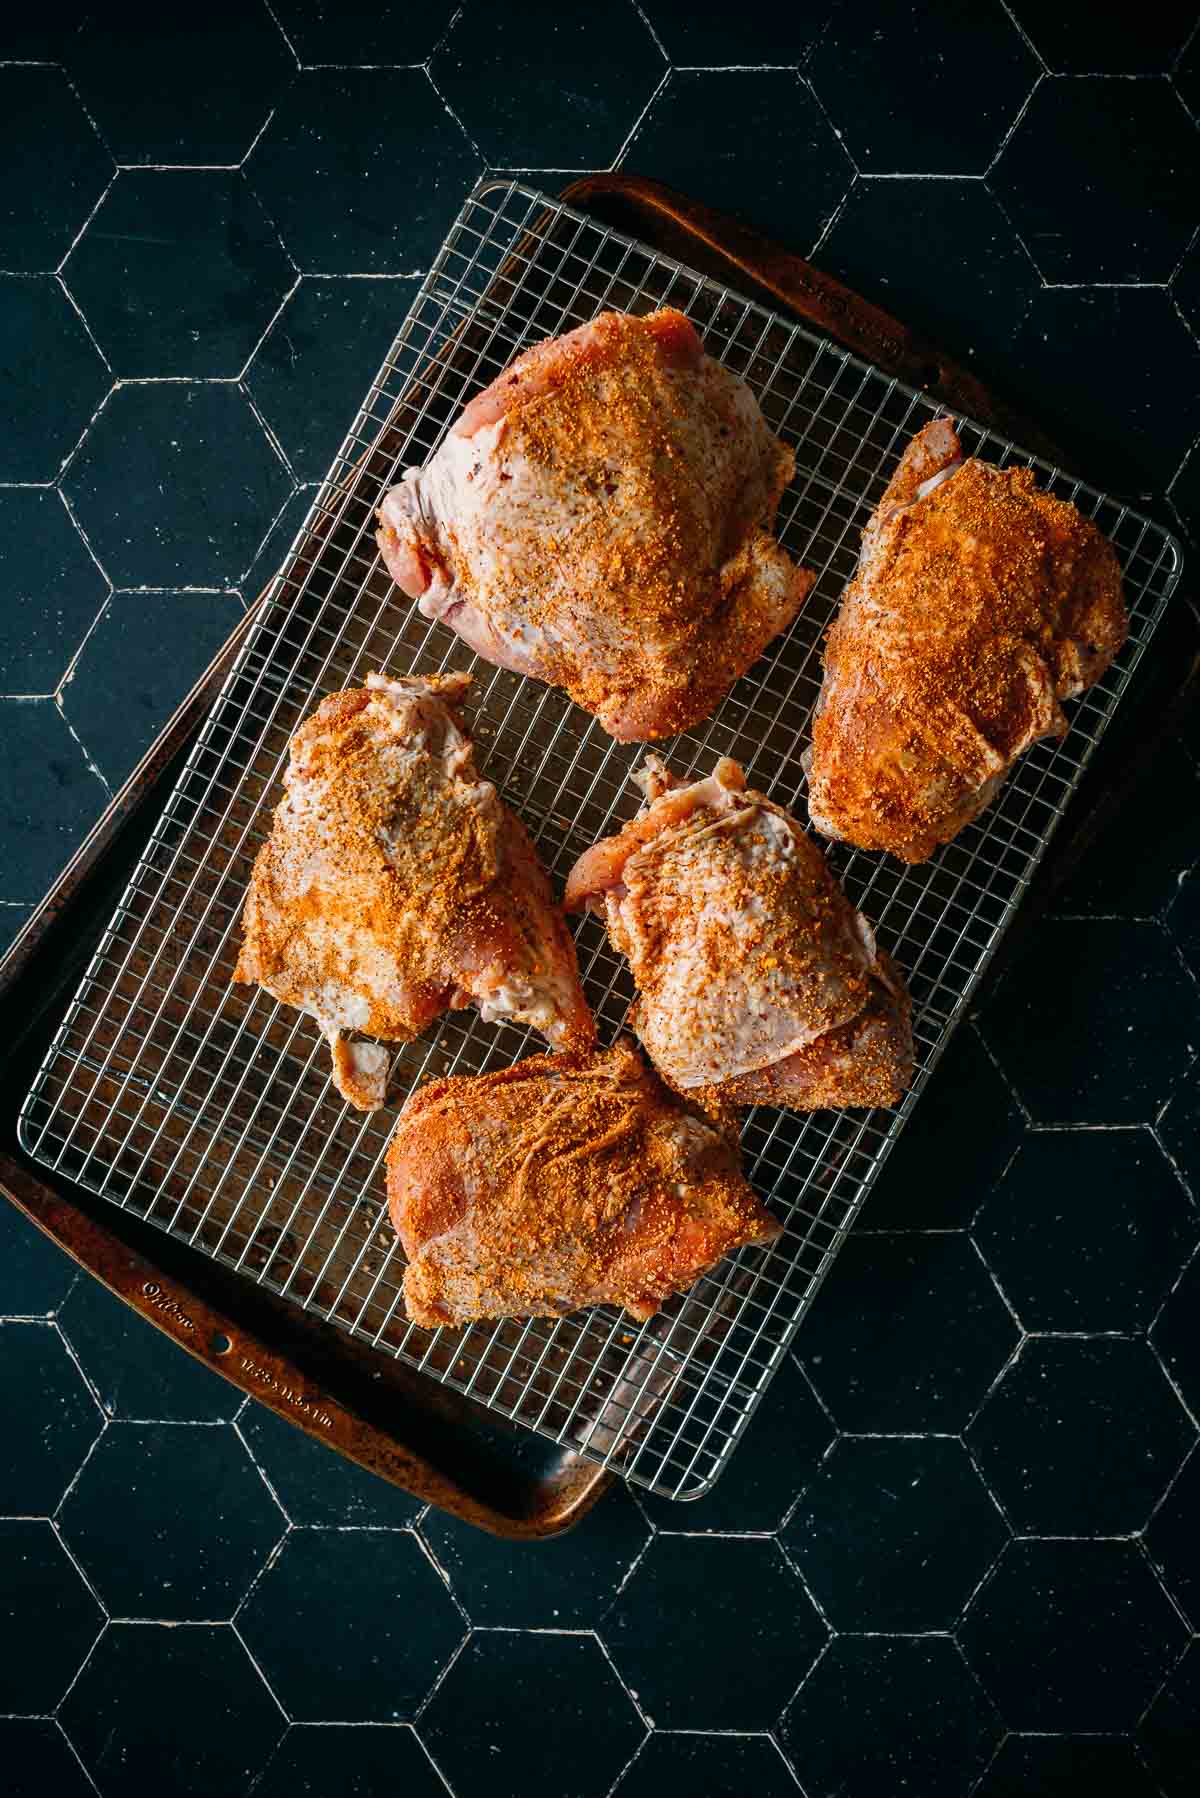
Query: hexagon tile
(176, 484)
(508, 1691)
(53, 588)
(41, 329)
(1072, 1636)
(922, 125)
(135, 69)
(47, 1442)
(607, 62)
(955, 1555)
(122, 691)
(326, 170)
(895, 1533)
(890, 1713)
(376, 1663)
(181, 1710)
(178, 272)
(689, 1588)
(1081, 1438)
(194, 1500)
(48, 1617)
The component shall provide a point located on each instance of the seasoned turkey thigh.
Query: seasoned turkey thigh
(562, 1181)
(395, 884)
(979, 604)
(598, 518)
(756, 977)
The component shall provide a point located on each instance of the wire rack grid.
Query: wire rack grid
(206, 1108)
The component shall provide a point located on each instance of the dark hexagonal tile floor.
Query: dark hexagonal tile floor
(496, 1700)
(40, 329)
(971, 279)
(374, 1666)
(1175, 1336)
(1072, 1635)
(1184, 490)
(52, 589)
(172, 1710)
(1081, 1437)
(367, 32)
(759, 33)
(131, 67)
(1110, 143)
(1065, 1767)
(44, 1443)
(179, 272)
(895, 1533)
(890, 1714)
(124, 689)
(1117, 431)
(352, 1760)
(270, 553)
(35, 1274)
(56, 167)
(1179, 1129)
(137, 1371)
(776, 1458)
(954, 1148)
(1186, 76)
(1186, 286)
(1174, 1541)
(1170, 1732)
(191, 1497)
(318, 360)
(867, 80)
(1183, 912)
(585, 77)
(1088, 1230)
(1113, 40)
(324, 167)
(1165, 802)
(562, 1584)
(691, 1589)
(707, 1767)
(176, 485)
(49, 797)
(317, 1486)
(677, 142)
(907, 1333)
(48, 1618)
(37, 1759)
(1087, 1025)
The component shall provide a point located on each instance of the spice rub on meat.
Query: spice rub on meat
(396, 884)
(757, 980)
(979, 604)
(561, 1182)
(599, 518)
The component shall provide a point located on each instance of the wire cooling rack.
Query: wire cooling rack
(206, 1108)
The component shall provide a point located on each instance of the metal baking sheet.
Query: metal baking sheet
(206, 1108)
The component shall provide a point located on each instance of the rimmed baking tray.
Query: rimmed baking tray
(204, 1110)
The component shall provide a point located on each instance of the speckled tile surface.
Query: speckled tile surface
(957, 1552)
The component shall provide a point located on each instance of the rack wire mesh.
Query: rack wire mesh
(206, 1107)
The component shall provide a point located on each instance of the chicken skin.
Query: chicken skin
(557, 1183)
(979, 604)
(598, 518)
(395, 884)
(757, 980)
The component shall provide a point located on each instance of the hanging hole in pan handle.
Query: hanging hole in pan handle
(219, 1343)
